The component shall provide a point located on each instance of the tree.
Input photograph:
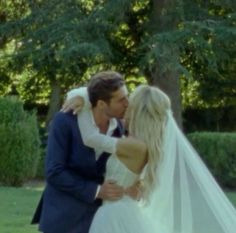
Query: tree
(210, 54)
(10, 10)
(64, 41)
(166, 17)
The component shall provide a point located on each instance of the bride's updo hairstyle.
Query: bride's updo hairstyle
(147, 116)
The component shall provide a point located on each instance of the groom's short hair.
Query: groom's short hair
(103, 84)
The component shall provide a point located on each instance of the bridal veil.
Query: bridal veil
(187, 198)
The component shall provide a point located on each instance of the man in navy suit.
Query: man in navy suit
(75, 178)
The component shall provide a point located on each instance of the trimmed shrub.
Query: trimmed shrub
(19, 142)
(218, 150)
(43, 132)
(40, 174)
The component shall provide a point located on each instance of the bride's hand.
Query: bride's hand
(75, 103)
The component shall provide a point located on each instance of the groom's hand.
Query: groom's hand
(135, 191)
(109, 190)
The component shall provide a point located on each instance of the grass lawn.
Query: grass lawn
(16, 208)
(18, 204)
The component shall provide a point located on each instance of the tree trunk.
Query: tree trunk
(170, 84)
(55, 101)
(164, 20)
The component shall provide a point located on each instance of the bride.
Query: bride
(179, 195)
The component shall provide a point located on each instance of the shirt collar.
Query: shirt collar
(112, 122)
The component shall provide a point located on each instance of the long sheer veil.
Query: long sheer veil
(187, 198)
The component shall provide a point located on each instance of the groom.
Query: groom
(75, 177)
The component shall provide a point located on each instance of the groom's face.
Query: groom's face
(118, 103)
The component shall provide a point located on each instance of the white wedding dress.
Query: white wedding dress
(125, 215)
(186, 197)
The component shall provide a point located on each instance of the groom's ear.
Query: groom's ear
(101, 104)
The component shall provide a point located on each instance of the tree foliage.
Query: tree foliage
(60, 42)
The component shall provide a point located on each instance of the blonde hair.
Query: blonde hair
(147, 113)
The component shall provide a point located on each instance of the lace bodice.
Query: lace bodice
(117, 171)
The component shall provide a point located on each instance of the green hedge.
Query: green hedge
(43, 132)
(218, 150)
(19, 142)
(40, 174)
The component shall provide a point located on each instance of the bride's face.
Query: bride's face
(127, 117)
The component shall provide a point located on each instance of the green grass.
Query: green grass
(18, 205)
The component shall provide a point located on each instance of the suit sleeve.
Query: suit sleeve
(57, 172)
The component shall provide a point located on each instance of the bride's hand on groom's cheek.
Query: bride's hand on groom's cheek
(109, 190)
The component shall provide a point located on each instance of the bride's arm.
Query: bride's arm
(76, 99)
(89, 131)
(130, 147)
(125, 148)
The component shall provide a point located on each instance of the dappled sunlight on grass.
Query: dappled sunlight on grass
(40, 189)
(34, 185)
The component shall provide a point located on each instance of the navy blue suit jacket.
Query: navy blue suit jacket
(72, 174)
